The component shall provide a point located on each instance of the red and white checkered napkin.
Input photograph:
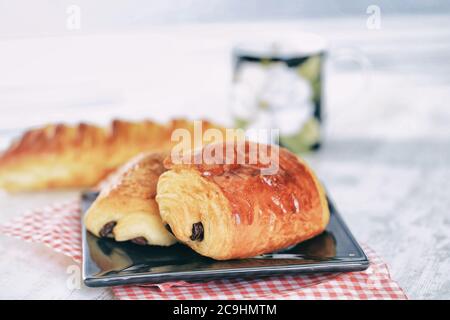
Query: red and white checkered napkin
(58, 227)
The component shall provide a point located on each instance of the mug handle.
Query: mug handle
(362, 61)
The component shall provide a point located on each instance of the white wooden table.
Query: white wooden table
(386, 160)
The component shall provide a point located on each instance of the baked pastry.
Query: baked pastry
(107, 256)
(126, 209)
(80, 156)
(227, 211)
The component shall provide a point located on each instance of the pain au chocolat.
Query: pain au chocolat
(79, 156)
(233, 210)
(126, 208)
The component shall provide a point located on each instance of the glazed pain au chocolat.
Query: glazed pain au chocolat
(228, 211)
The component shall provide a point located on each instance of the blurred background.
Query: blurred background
(91, 61)
(385, 154)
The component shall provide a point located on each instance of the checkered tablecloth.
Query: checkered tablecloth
(58, 227)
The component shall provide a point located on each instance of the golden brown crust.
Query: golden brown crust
(128, 204)
(63, 156)
(242, 212)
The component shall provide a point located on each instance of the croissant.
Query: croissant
(63, 156)
(233, 210)
(126, 209)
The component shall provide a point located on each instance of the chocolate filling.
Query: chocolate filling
(107, 229)
(197, 232)
(140, 241)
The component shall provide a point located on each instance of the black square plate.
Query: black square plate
(108, 263)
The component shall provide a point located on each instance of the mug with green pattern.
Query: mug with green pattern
(280, 85)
